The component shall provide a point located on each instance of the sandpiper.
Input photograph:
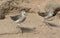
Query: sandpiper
(47, 15)
(19, 18)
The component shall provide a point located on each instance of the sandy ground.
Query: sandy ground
(8, 27)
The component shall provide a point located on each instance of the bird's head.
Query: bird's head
(23, 13)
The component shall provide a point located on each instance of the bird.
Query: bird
(48, 15)
(26, 29)
(19, 18)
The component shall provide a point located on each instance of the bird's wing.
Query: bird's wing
(21, 19)
(15, 17)
(42, 14)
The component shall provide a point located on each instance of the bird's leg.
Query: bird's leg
(21, 29)
(18, 26)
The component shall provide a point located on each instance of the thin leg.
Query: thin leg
(18, 26)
